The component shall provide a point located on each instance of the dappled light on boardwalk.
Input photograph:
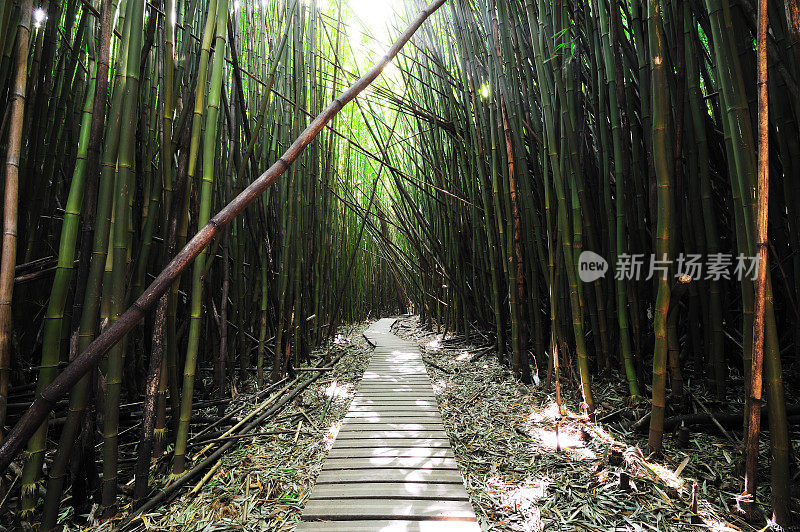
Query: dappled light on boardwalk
(391, 460)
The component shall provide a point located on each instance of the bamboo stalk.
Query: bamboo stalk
(10, 198)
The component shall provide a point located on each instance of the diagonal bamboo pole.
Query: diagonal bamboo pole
(44, 403)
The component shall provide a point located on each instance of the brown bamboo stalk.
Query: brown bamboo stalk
(753, 414)
(10, 207)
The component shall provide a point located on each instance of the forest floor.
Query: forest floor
(523, 468)
(523, 473)
(264, 482)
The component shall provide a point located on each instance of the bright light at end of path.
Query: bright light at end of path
(39, 16)
(484, 90)
(375, 14)
(370, 31)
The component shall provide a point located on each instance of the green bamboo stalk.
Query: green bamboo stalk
(123, 186)
(660, 99)
(217, 17)
(69, 236)
(49, 366)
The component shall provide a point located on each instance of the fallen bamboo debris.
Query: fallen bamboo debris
(506, 444)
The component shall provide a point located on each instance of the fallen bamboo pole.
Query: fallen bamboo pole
(249, 416)
(84, 362)
(166, 493)
(235, 411)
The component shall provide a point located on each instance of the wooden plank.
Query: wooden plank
(395, 398)
(396, 353)
(391, 451)
(410, 417)
(360, 432)
(392, 417)
(362, 410)
(390, 408)
(387, 375)
(397, 367)
(403, 402)
(393, 379)
(414, 373)
(400, 371)
(390, 378)
(400, 462)
(386, 383)
(347, 426)
(381, 434)
(405, 368)
(426, 387)
(378, 415)
(396, 356)
(397, 391)
(382, 406)
(391, 490)
(388, 509)
(393, 420)
(398, 361)
(382, 389)
(407, 390)
(395, 359)
(363, 401)
(394, 372)
(398, 397)
(370, 443)
(349, 476)
(389, 526)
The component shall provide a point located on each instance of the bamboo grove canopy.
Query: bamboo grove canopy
(502, 142)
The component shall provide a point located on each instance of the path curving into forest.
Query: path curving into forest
(391, 466)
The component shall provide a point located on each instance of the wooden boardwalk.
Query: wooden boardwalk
(391, 468)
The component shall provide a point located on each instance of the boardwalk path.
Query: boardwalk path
(391, 468)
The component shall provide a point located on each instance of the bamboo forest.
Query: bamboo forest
(385, 265)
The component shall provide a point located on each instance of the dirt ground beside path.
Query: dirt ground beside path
(523, 473)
